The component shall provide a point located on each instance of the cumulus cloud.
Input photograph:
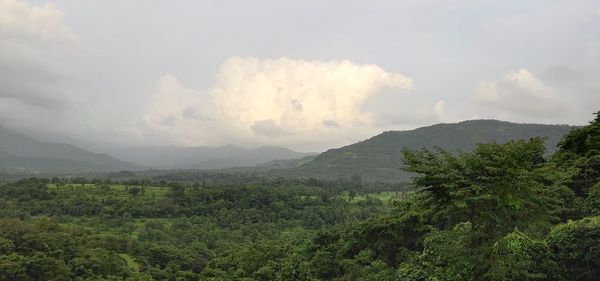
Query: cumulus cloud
(299, 95)
(518, 92)
(277, 101)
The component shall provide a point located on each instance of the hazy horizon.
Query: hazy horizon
(307, 76)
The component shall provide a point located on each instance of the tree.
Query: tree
(497, 188)
(592, 202)
(579, 152)
(12, 268)
(139, 277)
(576, 244)
(391, 237)
(518, 257)
(447, 255)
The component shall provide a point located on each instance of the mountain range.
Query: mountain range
(376, 159)
(24, 154)
(204, 157)
(380, 157)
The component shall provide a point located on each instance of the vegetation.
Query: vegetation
(380, 157)
(165, 231)
(503, 211)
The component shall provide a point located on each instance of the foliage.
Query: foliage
(495, 188)
(579, 153)
(576, 244)
(170, 232)
(518, 257)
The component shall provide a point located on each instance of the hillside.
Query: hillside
(19, 152)
(204, 157)
(380, 157)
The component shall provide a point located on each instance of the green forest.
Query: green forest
(502, 211)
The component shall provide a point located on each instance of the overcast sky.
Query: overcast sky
(309, 75)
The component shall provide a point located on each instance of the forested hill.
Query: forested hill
(380, 157)
(19, 152)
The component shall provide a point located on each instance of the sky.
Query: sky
(308, 75)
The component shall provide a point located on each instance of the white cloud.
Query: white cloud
(518, 92)
(282, 101)
(299, 95)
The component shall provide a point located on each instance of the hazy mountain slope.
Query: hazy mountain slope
(23, 152)
(288, 163)
(271, 165)
(9, 162)
(380, 157)
(204, 157)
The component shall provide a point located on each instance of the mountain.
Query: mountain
(19, 152)
(376, 159)
(380, 157)
(204, 157)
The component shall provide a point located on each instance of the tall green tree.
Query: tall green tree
(496, 188)
(579, 153)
